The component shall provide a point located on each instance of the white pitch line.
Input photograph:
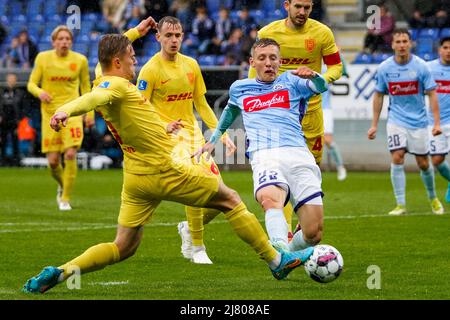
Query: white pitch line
(110, 283)
(96, 226)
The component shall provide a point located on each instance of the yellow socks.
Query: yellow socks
(70, 172)
(288, 210)
(195, 221)
(57, 174)
(94, 258)
(247, 227)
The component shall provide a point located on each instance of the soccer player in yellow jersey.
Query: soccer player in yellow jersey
(305, 42)
(151, 174)
(59, 75)
(174, 84)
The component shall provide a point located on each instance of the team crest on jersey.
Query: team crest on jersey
(73, 66)
(310, 44)
(190, 77)
(142, 85)
(278, 87)
(104, 84)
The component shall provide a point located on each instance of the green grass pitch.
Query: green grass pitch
(411, 252)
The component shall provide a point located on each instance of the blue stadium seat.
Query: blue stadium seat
(413, 33)
(444, 33)
(207, 60)
(213, 5)
(83, 38)
(257, 14)
(378, 58)
(428, 56)
(82, 48)
(424, 45)
(220, 59)
(15, 8)
(268, 5)
(37, 18)
(92, 61)
(431, 33)
(54, 18)
(44, 46)
(4, 20)
(19, 18)
(277, 14)
(363, 58)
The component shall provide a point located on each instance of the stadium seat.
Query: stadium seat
(15, 8)
(363, 58)
(268, 5)
(37, 18)
(424, 45)
(257, 14)
(444, 33)
(431, 33)
(44, 45)
(413, 33)
(19, 18)
(93, 61)
(428, 56)
(4, 20)
(82, 48)
(213, 5)
(378, 58)
(207, 60)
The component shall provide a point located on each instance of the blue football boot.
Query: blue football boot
(44, 281)
(290, 261)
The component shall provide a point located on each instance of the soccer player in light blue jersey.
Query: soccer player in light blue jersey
(272, 108)
(440, 145)
(407, 79)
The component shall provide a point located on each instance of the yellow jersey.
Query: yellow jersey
(63, 78)
(133, 122)
(174, 88)
(305, 47)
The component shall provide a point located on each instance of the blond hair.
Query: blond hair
(60, 28)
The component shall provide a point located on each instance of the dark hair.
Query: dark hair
(401, 31)
(445, 39)
(110, 46)
(264, 42)
(169, 20)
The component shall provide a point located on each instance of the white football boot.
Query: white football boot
(186, 239)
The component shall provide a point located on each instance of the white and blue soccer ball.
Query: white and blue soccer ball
(325, 264)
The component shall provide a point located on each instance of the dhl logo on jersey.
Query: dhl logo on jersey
(60, 79)
(179, 97)
(296, 61)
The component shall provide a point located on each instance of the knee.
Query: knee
(436, 161)
(127, 248)
(70, 154)
(423, 165)
(231, 200)
(313, 234)
(53, 162)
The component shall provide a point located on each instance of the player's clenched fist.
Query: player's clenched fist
(59, 117)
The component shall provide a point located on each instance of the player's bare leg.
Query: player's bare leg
(56, 171)
(310, 217)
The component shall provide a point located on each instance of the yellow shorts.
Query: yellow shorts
(69, 136)
(192, 185)
(312, 125)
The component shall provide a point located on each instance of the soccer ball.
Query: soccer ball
(325, 264)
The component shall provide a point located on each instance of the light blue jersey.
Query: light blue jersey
(406, 85)
(441, 74)
(273, 112)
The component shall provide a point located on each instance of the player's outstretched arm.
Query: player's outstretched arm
(377, 106)
(228, 116)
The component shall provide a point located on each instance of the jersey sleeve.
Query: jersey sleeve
(233, 99)
(103, 94)
(331, 57)
(146, 81)
(428, 79)
(380, 82)
(36, 76)
(200, 88)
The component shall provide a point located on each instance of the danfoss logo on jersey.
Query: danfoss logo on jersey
(60, 79)
(443, 86)
(404, 88)
(296, 61)
(279, 99)
(178, 97)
